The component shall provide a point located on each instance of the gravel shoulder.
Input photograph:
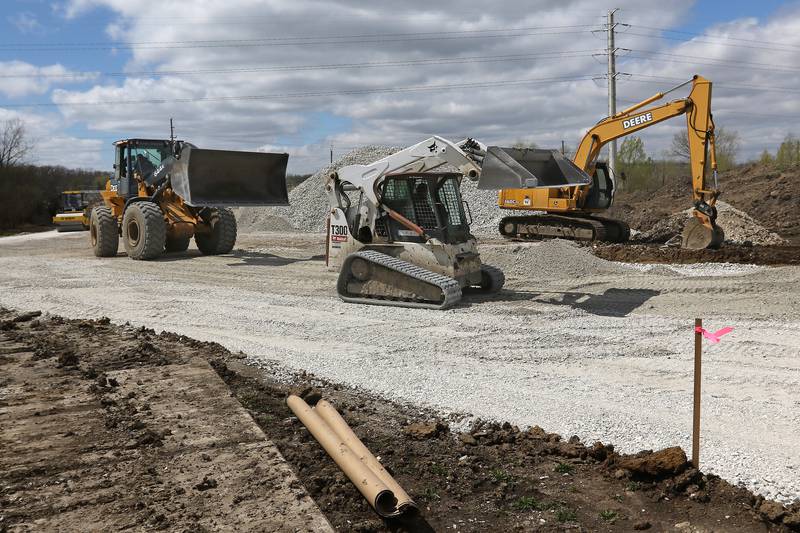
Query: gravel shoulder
(576, 344)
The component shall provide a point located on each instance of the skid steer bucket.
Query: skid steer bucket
(228, 178)
(528, 168)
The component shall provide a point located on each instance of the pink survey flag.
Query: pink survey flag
(713, 337)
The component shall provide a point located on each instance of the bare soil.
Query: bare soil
(654, 253)
(767, 194)
(495, 477)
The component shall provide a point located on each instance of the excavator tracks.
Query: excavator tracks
(371, 277)
(548, 226)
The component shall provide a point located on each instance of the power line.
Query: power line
(718, 85)
(155, 101)
(711, 42)
(297, 41)
(716, 62)
(400, 63)
(725, 37)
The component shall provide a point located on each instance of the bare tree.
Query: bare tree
(14, 143)
(726, 143)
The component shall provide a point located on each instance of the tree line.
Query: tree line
(30, 194)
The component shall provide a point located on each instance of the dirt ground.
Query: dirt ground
(655, 253)
(116, 457)
(768, 195)
(574, 344)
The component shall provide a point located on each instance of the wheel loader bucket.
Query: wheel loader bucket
(228, 178)
(528, 168)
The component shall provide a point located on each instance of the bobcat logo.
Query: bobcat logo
(432, 148)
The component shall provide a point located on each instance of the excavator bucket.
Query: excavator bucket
(528, 168)
(228, 178)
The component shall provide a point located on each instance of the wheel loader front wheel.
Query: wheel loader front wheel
(222, 235)
(144, 231)
(103, 232)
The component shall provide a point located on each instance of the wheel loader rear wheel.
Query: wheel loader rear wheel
(144, 231)
(222, 237)
(103, 232)
(177, 244)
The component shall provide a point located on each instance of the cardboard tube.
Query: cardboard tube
(335, 421)
(371, 487)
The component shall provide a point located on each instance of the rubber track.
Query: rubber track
(449, 287)
(600, 232)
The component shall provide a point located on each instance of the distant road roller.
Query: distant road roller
(164, 192)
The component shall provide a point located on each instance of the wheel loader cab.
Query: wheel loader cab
(137, 156)
(432, 201)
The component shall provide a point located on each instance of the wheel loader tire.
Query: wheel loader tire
(222, 237)
(144, 231)
(103, 232)
(178, 244)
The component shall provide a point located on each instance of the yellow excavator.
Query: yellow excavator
(573, 212)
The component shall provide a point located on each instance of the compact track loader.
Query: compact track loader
(399, 233)
(165, 192)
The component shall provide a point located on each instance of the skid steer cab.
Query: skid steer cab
(163, 193)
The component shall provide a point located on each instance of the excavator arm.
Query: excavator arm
(701, 231)
(700, 131)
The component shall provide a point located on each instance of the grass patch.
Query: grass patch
(438, 470)
(528, 503)
(608, 515)
(564, 468)
(430, 495)
(633, 486)
(565, 514)
(500, 476)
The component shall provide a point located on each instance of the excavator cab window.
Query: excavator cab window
(602, 189)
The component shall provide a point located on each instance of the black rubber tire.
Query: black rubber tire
(144, 231)
(492, 279)
(179, 244)
(103, 232)
(222, 237)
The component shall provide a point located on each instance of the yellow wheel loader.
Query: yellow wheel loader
(575, 212)
(75, 209)
(399, 233)
(165, 192)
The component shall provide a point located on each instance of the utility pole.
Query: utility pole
(171, 131)
(331, 153)
(563, 148)
(612, 89)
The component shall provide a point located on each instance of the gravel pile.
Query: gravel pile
(551, 259)
(308, 203)
(739, 227)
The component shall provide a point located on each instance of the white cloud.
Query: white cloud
(18, 78)
(26, 22)
(544, 112)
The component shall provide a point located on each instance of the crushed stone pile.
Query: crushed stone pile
(308, 203)
(551, 259)
(739, 227)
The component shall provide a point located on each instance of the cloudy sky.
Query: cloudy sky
(302, 75)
